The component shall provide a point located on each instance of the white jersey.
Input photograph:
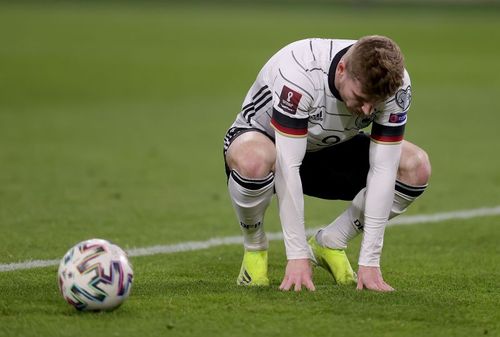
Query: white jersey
(295, 87)
(294, 94)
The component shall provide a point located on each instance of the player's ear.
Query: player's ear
(341, 67)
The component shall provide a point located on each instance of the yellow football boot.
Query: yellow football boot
(335, 261)
(253, 270)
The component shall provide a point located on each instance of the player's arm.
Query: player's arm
(291, 143)
(289, 154)
(294, 94)
(385, 152)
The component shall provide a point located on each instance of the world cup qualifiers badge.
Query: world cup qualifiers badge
(289, 100)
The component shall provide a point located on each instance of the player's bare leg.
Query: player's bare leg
(251, 157)
(414, 165)
(412, 178)
(252, 154)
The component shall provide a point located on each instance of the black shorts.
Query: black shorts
(335, 173)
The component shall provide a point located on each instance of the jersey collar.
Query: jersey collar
(331, 72)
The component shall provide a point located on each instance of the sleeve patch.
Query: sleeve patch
(387, 134)
(289, 100)
(288, 125)
(397, 118)
(403, 98)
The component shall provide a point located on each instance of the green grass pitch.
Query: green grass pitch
(111, 125)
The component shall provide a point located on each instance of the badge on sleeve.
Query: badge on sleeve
(397, 118)
(403, 98)
(289, 100)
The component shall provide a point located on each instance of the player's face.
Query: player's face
(350, 91)
(355, 100)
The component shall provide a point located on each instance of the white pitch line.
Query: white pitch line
(231, 240)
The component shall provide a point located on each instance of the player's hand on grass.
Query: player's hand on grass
(298, 273)
(371, 278)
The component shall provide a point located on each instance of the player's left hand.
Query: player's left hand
(298, 272)
(371, 278)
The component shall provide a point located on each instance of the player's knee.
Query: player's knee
(415, 166)
(253, 155)
(253, 167)
(253, 163)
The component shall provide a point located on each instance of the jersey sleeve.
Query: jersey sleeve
(390, 119)
(289, 154)
(384, 160)
(293, 96)
(293, 92)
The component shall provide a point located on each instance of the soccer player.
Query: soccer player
(299, 132)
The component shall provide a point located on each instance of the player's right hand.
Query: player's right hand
(371, 279)
(298, 273)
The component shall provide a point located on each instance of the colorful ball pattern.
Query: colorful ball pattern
(95, 275)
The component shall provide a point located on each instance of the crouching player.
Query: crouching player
(300, 132)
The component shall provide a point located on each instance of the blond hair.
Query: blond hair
(377, 62)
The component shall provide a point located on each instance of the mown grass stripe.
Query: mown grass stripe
(230, 240)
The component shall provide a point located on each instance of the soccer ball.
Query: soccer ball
(95, 275)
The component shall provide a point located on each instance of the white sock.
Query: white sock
(250, 198)
(343, 229)
(350, 223)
